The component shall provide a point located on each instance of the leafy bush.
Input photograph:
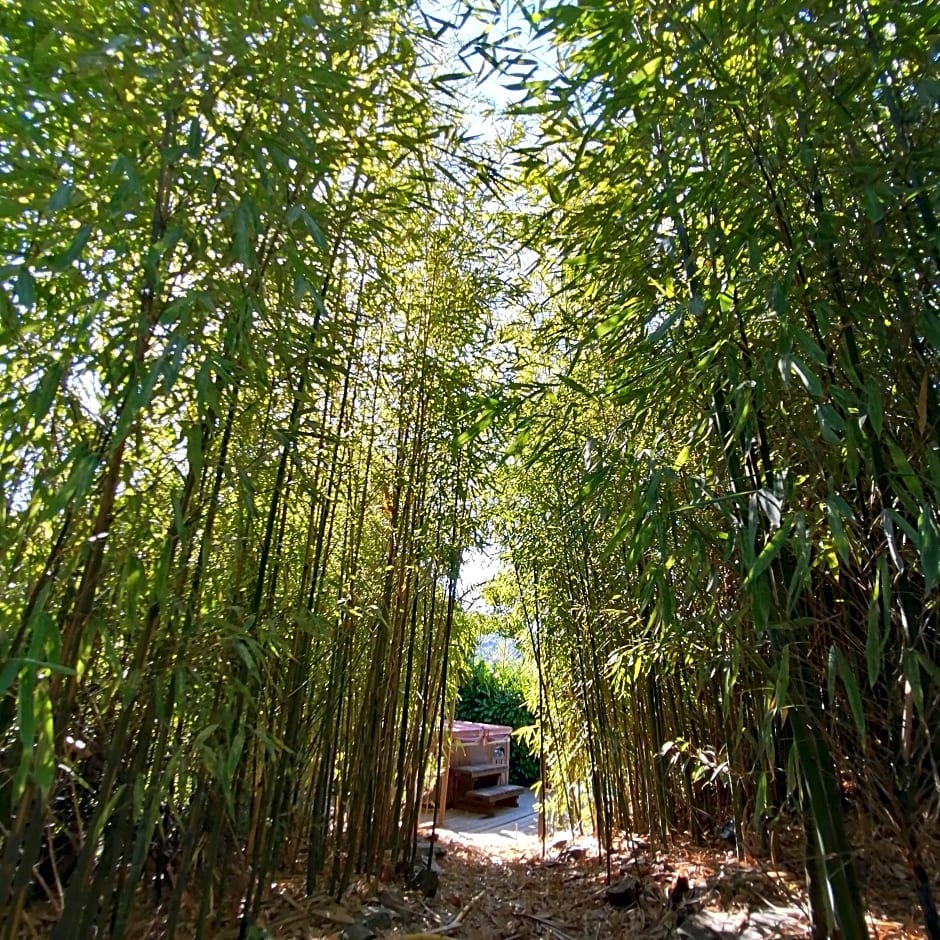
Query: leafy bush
(496, 695)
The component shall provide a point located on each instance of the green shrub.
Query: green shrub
(496, 696)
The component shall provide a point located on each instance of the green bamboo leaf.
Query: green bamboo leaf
(839, 538)
(314, 230)
(791, 365)
(778, 298)
(452, 77)
(60, 199)
(782, 685)
(610, 325)
(80, 477)
(929, 323)
(243, 246)
(43, 396)
(807, 377)
(663, 326)
(45, 758)
(906, 473)
(194, 137)
(840, 506)
(830, 423)
(853, 694)
(25, 288)
(767, 555)
(592, 482)
(8, 674)
(67, 258)
(235, 753)
(178, 309)
(762, 604)
(26, 712)
(246, 491)
(483, 420)
(302, 287)
(811, 348)
(207, 392)
(873, 207)
(134, 584)
(646, 72)
(574, 385)
(883, 590)
(815, 769)
(800, 580)
(204, 734)
(138, 795)
(194, 453)
(244, 654)
(928, 666)
(929, 548)
(873, 643)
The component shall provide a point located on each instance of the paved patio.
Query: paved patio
(511, 826)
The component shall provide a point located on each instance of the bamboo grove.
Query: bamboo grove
(240, 313)
(278, 344)
(727, 552)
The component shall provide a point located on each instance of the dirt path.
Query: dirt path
(510, 892)
(564, 895)
(494, 883)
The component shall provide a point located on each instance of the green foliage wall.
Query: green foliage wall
(236, 335)
(722, 514)
(496, 695)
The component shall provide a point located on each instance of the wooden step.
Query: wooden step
(479, 770)
(489, 798)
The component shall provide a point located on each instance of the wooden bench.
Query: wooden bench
(476, 771)
(488, 798)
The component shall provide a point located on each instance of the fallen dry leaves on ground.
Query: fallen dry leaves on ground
(503, 893)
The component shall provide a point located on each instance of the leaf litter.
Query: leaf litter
(511, 892)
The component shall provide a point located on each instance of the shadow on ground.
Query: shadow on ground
(491, 880)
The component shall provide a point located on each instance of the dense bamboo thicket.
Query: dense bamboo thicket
(240, 317)
(259, 355)
(728, 553)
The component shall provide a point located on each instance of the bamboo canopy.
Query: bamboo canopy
(289, 325)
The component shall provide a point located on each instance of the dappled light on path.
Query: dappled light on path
(491, 881)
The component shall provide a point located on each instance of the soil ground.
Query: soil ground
(494, 879)
(496, 883)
